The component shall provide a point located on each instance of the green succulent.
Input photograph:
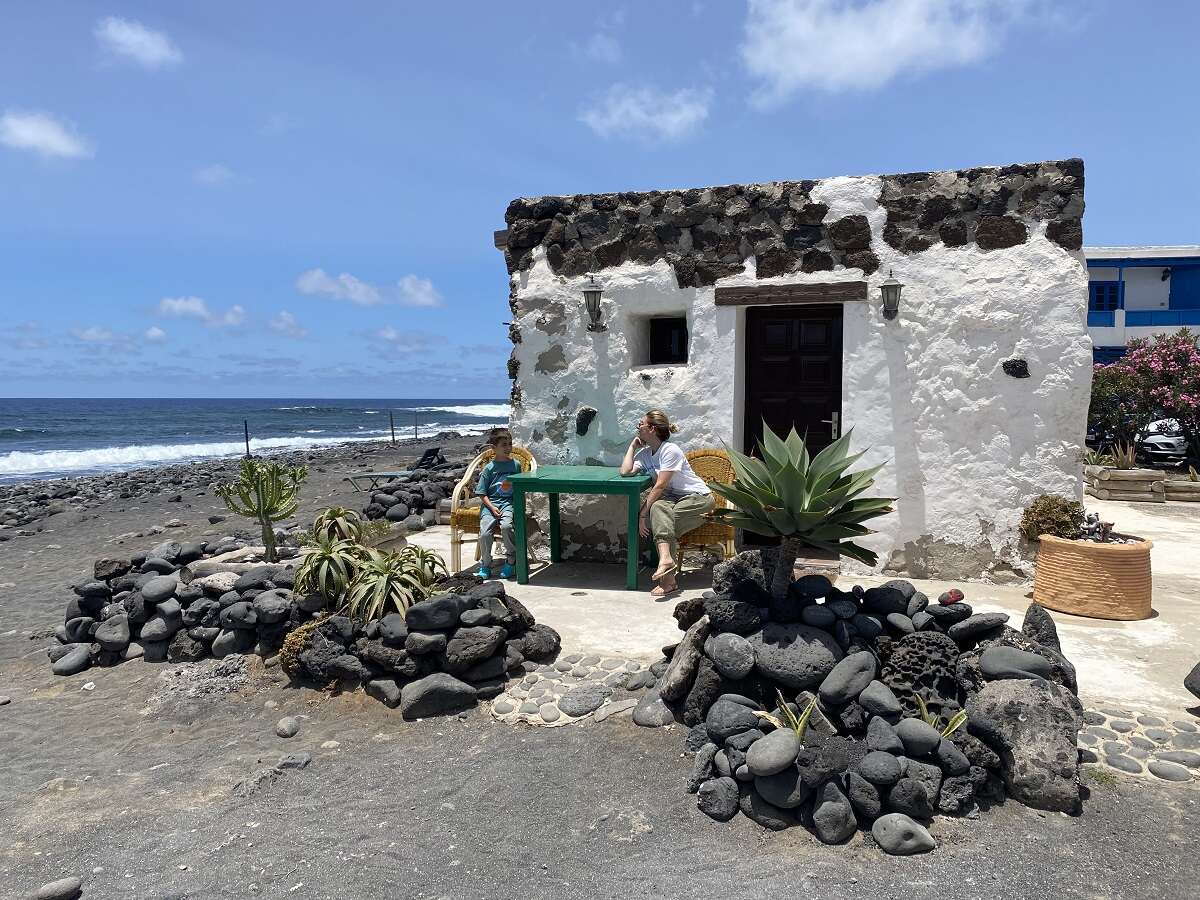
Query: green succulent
(935, 721)
(798, 723)
(329, 567)
(267, 492)
(805, 501)
(339, 523)
(396, 581)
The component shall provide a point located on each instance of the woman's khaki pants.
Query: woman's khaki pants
(671, 518)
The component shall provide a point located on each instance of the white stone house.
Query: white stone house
(728, 305)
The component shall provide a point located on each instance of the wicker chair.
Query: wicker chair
(465, 506)
(711, 465)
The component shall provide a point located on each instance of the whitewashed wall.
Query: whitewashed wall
(967, 447)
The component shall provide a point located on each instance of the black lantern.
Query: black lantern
(890, 291)
(591, 300)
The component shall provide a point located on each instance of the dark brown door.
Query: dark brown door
(793, 372)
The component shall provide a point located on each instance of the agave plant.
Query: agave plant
(267, 492)
(339, 523)
(1124, 456)
(798, 723)
(329, 567)
(392, 580)
(806, 502)
(1096, 458)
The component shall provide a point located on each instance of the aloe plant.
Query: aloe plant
(267, 492)
(805, 501)
(339, 523)
(392, 580)
(329, 567)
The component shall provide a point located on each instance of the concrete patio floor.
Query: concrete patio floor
(1137, 665)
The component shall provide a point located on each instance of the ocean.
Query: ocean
(53, 438)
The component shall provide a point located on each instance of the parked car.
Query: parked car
(1162, 443)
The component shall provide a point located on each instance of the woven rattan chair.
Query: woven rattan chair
(711, 465)
(465, 506)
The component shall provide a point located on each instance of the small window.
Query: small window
(668, 341)
(1104, 296)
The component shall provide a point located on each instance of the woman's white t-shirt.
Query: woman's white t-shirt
(669, 458)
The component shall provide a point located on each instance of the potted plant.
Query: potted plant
(1083, 567)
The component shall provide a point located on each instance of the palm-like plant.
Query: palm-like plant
(329, 567)
(267, 492)
(806, 502)
(395, 580)
(339, 523)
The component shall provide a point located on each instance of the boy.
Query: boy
(495, 490)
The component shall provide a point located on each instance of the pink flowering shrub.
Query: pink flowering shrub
(1152, 381)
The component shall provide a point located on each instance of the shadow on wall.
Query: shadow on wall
(910, 480)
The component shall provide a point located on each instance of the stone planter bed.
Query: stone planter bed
(867, 760)
(445, 654)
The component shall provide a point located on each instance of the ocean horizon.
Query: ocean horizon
(43, 438)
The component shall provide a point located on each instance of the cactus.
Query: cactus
(266, 492)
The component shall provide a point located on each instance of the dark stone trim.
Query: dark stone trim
(764, 294)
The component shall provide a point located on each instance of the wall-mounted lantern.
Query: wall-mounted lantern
(591, 300)
(890, 292)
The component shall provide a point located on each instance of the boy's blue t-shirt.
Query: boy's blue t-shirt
(493, 480)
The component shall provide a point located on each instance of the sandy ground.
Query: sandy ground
(134, 786)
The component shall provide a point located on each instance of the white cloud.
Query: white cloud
(407, 340)
(197, 308)
(213, 175)
(43, 134)
(344, 287)
(603, 48)
(154, 334)
(411, 290)
(792, 46)
(95, 334)
(184, 308)
(285, 323)
(416, 291)
(647, 113)
(133, 40)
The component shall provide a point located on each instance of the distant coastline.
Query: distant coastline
(43, 439)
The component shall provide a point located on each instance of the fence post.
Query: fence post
(246, 429)
(414, 424)
(392, 422)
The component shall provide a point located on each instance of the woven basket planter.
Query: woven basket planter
(1101, 581)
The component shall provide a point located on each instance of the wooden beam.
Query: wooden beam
(500, 238)
(766, 294)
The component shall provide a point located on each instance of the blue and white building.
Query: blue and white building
(1138, 292)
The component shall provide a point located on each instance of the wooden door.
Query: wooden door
(793, 372)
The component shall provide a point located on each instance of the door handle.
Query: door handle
(834, 425)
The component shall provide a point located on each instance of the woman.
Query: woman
(678, 500)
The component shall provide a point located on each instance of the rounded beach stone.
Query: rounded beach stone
(1185, 740)
(1183, 757)
(784, 789)
(584, 699)
(797, 656)
(503, 707)
(882, 736)
(1009, 662)
(1091, 717)
(731, 654)
(1161, 735)
(63, 889)
(833, 816)
(976, 627)
(1169, 771)
(773, 753)
(899, 835)
(880, 768)
(549, 712)
(651, 712)
(947, 616)
(529, 708)
(919, 738)
(910, 797)
(818, 616)
(726, 718)
(1150, 721)
(1121, 725)
(849, 678)
(159, 588)
(78, 658)
(288, 726)
(879, 700)
(718, 798)
(1124, 763)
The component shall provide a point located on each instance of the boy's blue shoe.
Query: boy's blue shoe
(506, 571)
(484, 572)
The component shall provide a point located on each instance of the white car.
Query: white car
(1163, 442)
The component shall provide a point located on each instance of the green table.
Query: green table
(555, 480)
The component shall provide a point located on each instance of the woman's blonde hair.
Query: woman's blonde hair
(657, 419)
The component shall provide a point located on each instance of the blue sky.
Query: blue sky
(297, 199)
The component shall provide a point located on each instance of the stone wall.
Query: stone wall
(992, 271)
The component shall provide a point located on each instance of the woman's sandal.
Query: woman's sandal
(670, 570)
(662, 591)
